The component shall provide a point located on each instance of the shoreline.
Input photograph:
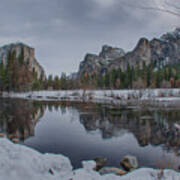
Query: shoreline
(19, 161)
(163, 98)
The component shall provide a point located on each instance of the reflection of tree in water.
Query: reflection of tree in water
(19, 117)
(149, 127)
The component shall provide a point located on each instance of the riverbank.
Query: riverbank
(19, 162)
(146, 97)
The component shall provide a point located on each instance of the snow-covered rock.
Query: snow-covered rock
(129, 162)
(18, 162)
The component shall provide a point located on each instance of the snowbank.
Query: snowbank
(124, 97)
(18, 162)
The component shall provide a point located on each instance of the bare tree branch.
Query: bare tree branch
(160, 9)
(172, 5)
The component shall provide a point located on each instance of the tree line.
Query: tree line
(148, 76)
(17, 75)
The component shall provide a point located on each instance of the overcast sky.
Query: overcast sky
(63, 31)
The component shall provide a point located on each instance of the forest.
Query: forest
(17, 75)
(148, 76)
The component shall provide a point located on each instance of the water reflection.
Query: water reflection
(149, 127)
(19, 118)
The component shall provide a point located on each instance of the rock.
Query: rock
(15, 140)
(112, 170)
(100, 162)
(99, 63)
(110, 53)
(129, 163)
(160, 51)
(19, 162)
(28, 57)
(2, 135)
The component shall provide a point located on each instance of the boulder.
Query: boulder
(129, 163)
(112, 170)
(100, 162)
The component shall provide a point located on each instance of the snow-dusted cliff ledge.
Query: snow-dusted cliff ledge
(18, 162)
(122, 97)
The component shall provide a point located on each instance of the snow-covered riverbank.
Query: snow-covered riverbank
(18, 162)
(155, 97)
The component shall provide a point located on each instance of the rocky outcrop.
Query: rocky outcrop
(160, 52)
(109, 53)
(99, 63)
(28, 53)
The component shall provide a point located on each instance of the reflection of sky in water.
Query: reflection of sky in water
(62, 132)
(82, 131)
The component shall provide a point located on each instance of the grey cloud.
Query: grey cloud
(62, 31)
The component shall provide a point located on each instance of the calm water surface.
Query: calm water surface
(85, 131)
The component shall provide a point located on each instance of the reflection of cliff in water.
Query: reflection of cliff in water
(19, 117)
(149, 127)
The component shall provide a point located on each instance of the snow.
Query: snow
(103, 96)
(19, 162)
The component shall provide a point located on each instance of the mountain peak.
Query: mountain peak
(28, 56)
(111, 53)
(160, 51)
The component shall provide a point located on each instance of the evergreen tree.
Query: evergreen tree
(63, 81)
(21, 57)
(50, 81)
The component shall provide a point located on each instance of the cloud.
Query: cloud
(63, 31)
(105, 3)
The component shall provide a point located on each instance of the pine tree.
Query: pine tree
(64, 81)
(21, 57)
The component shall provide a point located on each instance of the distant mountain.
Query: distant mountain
(99, 63)
(28, 56)
(19, 69)
(158, 51)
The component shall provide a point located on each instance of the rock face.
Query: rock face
(159, 52)
(99, 63)
(28, 56)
